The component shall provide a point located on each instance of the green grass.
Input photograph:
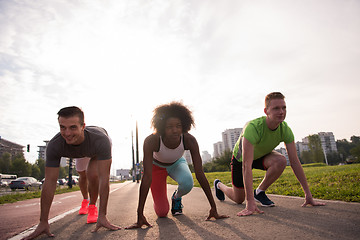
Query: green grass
(325, 182)
(19, 196)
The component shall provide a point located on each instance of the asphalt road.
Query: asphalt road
(288, 220)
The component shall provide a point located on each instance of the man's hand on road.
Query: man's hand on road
(42, 228)
(103, 222)
(214, 214)
(249, 211)
(310, 201)
(141, 221)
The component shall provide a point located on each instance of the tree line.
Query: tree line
(348, 152)
(18, 165)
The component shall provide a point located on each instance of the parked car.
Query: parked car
(61, 181)
(74, 181)
(4, 183)
(25, 183)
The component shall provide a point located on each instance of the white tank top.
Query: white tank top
(168, 155)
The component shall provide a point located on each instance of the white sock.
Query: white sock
(259, 191)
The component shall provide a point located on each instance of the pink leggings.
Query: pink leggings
(180, 172)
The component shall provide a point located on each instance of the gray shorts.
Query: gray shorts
(81, 164)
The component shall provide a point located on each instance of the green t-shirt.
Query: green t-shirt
(262, 138)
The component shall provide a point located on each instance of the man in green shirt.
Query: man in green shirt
(255, 149)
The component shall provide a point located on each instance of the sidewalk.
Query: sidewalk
(288, 220)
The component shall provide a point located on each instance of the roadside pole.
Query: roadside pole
(70, 172)
(133, 156)
(138, 173)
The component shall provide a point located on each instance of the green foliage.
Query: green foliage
(343, 147)
(20, 166)
(40, 163)
(349, 151)
(355, 152)
(316, 150)
(62, 172)
(341, 182)
(5, 163)
(35, 171)
(10, 198)
(334, 158)
(305, 157)
(220, 164)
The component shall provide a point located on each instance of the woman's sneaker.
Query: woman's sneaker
(176, 206)
(92, 214)
(263, 199)
(219, 194)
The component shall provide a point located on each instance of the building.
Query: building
(10, 147)
(230, 137)
(42, 151)
(284, 153)
(123, 173)
(328, 142)
(218, 149)
(187, 156)
(206, 157)
(302, 146)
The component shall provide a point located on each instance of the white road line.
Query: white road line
(27, 205)
(67, 197)
(54, 219)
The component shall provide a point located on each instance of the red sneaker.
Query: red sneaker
(84, 207)
(92, 214)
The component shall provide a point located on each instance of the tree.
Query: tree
(349, 151)
(305, 157)
(219, 164)
(333, 158)
(35, 172)
(5, 163)
(62, 172)
(355, 140)
(355, 152)
(41, 165)
(343, 147)
(316, 151)
(20, 166)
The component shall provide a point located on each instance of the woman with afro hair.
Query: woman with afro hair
(163, 156)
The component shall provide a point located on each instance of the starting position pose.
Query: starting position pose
(255, 149)
(163, 153)
(92, 148)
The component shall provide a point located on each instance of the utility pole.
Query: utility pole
(138, 174)
(70, 172)
(133, 156)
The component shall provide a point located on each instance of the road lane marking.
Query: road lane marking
(54, 219)
(68, 197)
(27, 205)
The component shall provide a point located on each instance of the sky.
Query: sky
(118, 60)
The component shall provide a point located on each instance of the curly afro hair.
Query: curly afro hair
(173, 109)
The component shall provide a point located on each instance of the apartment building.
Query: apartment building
(10, 147)
(328, 142)
(218, 149)
(205, 156)
(42, 151)
(230, 137)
